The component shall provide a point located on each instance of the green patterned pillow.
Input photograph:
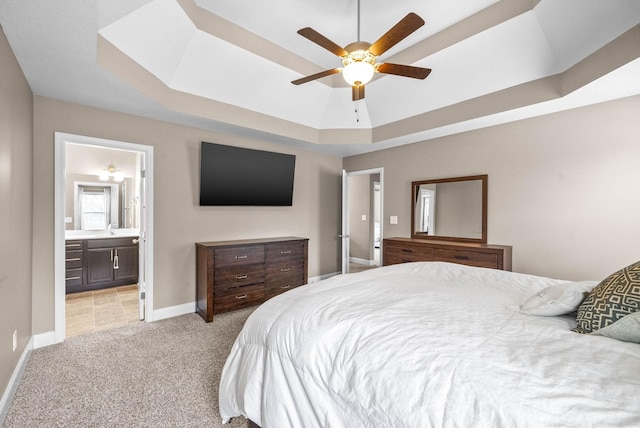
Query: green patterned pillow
(616, 296)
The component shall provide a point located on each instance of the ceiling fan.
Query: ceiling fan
(359, 58)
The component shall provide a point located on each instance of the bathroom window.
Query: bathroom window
(96, 206)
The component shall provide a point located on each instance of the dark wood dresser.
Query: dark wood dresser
(232, 275)
(403, 250)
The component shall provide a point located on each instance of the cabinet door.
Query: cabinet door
(127, 264)
(99, 265)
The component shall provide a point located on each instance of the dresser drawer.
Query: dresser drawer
(467, 257)
(233, 276)
(283, 251)
(247, 254)
(73, 259)
(275, 289)
(293, 273)
(284, 278)
(241, 297)
(403, 250)
(407, 252)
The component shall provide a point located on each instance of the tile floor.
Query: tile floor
(91, 311)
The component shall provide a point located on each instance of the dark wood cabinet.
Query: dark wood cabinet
(74, 264)
(93, 264)
(403, 250)
(232, 275)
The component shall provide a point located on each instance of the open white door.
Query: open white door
(345, 236)
(345, 222)
(142, 283)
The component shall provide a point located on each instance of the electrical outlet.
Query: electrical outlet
(393, 219)
(364, 217)
(15, 340)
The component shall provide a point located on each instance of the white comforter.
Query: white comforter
(425, 345)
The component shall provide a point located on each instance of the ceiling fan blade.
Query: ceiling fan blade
(404, 70)
(402, 29)
(316, 76)
(321, 40)
(357, 92)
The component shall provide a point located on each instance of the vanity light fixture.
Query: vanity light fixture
(111, 172)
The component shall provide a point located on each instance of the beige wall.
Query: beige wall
(179, 221)
(564, 189)
(360, 239)
(16, 119)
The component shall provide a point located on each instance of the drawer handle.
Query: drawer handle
(461, 257)
(285, 252)
(72, 260)
(244, 296)
(407, 250)
(242, 257)
(285, 286)
(73, 245)
(241, 276)
(73, 277)
(285, 269)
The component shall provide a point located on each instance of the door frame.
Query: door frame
(344, 237)
(146, 211)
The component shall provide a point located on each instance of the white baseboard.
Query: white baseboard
(12, 386)
(44, 339)
(174, 311)
(324, 276)
(362, 261)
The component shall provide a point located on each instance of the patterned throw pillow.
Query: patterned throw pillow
(616, 296)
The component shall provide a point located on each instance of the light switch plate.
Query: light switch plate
(364, 217)
(393, 219)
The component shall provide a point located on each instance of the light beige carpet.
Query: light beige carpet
(160, 374)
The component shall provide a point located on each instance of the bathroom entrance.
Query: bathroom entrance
(103, 214)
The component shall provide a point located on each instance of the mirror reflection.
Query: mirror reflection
(453, 208)
(102, 188)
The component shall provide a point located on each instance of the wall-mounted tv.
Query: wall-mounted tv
(236, 176)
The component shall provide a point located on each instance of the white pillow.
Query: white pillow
(558, 299)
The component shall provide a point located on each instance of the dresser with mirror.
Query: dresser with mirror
(448, 224)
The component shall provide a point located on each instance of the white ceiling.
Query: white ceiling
(227, 65)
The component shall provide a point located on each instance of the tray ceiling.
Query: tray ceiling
(227, 66)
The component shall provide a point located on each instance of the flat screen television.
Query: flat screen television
(236, 176)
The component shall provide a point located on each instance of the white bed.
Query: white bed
(425, 345)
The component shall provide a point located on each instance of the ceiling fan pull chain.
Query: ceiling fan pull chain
(358, 109)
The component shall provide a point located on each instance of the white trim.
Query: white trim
(12, 386)
(364, 262)
(60, 139)
(323, 276)
(345, 209)
(174, 311)
(44, 339)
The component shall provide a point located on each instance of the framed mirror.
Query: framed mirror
(450, 209)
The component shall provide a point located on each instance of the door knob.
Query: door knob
(135, 241)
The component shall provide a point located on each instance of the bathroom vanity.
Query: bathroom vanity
(105, 261)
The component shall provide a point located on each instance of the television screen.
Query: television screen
(239, 176)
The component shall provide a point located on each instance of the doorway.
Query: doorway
(362, 229)
(104, 187)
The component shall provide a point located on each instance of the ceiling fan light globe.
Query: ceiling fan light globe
(358, 73)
